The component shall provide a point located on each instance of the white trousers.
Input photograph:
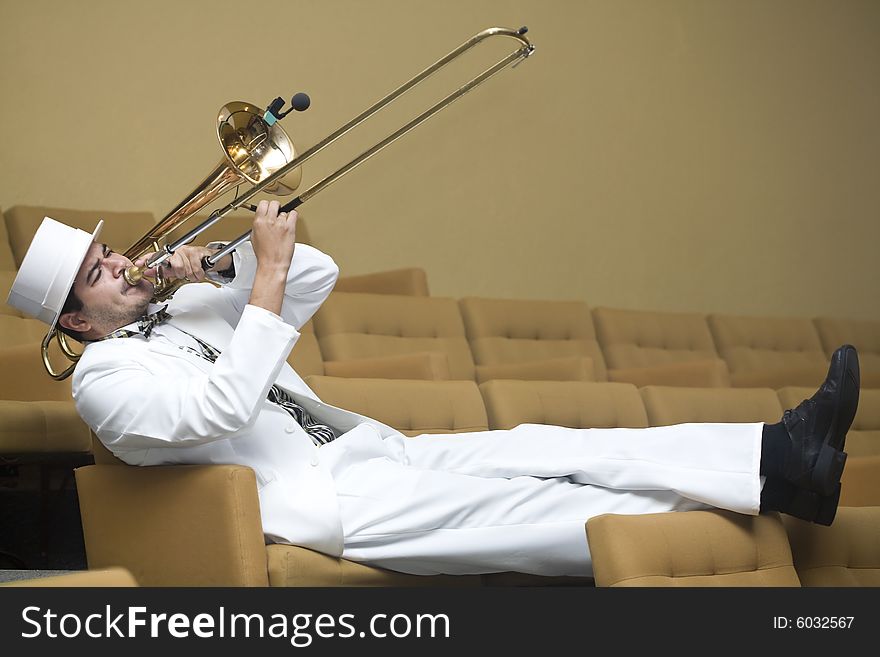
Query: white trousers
(518, 500)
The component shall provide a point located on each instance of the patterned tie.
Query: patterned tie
(147, 322)
(321, 434)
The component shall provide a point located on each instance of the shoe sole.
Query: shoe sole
(831, 460)
(813, 507)
(845, 413)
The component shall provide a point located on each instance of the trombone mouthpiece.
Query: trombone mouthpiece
(133, 275)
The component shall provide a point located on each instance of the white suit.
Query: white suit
(480, 502)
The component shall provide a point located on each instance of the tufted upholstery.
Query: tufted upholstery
(634, 338)
(564, 403)
(411, 407)
(121, 229)
(845, 554)
(865, 335)
(352, 325)
(691, 549)
(769, 352)
(672, 405)
(863, 438)
(515, 331)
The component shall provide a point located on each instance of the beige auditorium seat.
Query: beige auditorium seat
(121, 229)
(863, 438)
(411, 407)
(691, 549)
(771, 352)
(863, 334)
(16, 330)
(199, 525)
(378, 329)
(412, 281)
(659, 348)
(305, 357)
(532, 339)
(7, 262)
(667, 405)
(106, 577)
(845, 554)
(6, 280)
(576, 404)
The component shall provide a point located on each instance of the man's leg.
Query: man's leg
(428, 521)
(715, 464)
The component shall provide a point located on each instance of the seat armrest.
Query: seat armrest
(690, 548)
(180, 525)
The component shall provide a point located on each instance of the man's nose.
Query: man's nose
(117, 264)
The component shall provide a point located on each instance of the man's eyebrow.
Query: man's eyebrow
(96, 266)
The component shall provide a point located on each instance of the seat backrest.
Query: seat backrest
(635, 338)
(667, 405)
(305, 357)
(411, 281)
(577, 404)
(121, 229)
(845, 554)
(690, 549)
(6, 280)
(863, 334)
(411, 407)
(517, 330)
(863, 438)
(769, 352)
(15, 330)
(7, 262)
(352, 325)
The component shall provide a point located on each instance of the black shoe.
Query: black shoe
(817, 427)
(804, 504)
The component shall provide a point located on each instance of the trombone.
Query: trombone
(254, 144)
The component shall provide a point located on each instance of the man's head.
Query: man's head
(70, 280)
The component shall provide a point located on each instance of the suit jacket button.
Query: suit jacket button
(289, 428)
(314, 460)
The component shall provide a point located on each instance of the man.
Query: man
(211, 385)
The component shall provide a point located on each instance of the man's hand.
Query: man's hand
(186, 264)
(273, 238)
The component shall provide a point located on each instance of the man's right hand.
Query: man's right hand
(274, 239)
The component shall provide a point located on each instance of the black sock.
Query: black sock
(775, 444)
(775, 495)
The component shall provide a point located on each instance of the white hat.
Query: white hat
(49, 267)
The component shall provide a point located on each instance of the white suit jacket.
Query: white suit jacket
(152, 404)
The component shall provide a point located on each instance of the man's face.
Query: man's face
(108, 301)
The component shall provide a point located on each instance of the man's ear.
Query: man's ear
(75, 322)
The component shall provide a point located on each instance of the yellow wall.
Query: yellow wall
(698, 155)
